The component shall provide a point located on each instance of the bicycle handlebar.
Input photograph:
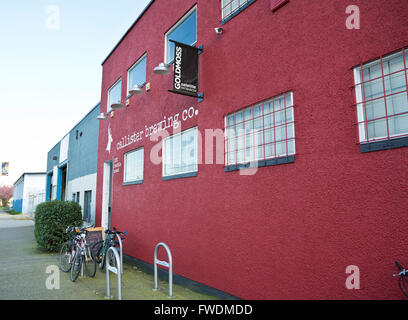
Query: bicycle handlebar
(403, 273)
(399, 266)
(116, 232)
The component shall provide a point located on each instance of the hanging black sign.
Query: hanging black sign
(185, 80)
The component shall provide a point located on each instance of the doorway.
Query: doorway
(107, 194)
(87, 205)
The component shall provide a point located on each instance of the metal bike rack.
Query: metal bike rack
(116, 271)
(120, 252)
(164, 264)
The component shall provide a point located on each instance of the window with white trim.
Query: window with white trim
(134, 162)
(263, 131)
(184, 31)
(137, 73)
(381, 97)
(180, 153)
(231, 7)
(115, 94)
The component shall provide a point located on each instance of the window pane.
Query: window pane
(269, 135)
(393, 63)
(249, 139)
(186, 33)
(268, 121)
(134, 165)
(181, 153)
(372, 70)
(289, 101)
(270, 150)
(268, 107)
(374, 89)
(248, 126)
(137, 75)
(248, 114)
(289, 115)
(238, 117)
(398, 124)
(279, 103)
(377, 129)
(375, 109)
(280, 133)
(258, 110)
(114, 95)
(291, 146)
(281, 148)
(279, 117)
(395, 83)
(290, 129)
(230, 120)
(397, 103)
(258, 123)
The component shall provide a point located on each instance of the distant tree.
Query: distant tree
(6, 193)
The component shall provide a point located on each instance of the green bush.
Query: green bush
(13, 212)
(51, 220)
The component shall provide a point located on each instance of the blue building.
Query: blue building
(72, 164)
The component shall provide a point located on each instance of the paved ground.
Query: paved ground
(23, 272)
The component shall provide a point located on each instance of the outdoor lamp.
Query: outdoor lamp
(162, 69)
(116, 106)
(136, 90)
(101, 116)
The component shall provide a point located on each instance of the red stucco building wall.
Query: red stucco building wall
(289, 231)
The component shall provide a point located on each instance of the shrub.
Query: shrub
(51, 220)
(13, 212)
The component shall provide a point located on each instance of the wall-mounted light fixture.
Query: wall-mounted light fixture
(116, 106)
(162, 69)
(101, 116)
(136, 90)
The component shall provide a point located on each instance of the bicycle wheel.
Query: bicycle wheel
(97, 251)
(112, 259)
(65, 256)
(76, 266)
(89, 262)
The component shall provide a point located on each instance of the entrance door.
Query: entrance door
(63, 183)
(87, 206)
(107, 194)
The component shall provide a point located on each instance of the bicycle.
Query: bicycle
(76, 252)
(403, 279)
(100, 248)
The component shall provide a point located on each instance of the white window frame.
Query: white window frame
(134, 66)
(360, 100)
(175, 27)
(164, 153)
(141, 149)
(109, 90)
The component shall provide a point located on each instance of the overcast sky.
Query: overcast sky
(50, 71)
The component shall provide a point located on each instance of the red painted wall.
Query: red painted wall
(290, 231)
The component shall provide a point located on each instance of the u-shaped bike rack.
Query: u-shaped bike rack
(164, 264)
(120, 252)
(117, 270)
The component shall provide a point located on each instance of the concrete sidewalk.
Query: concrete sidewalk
(23, 273)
